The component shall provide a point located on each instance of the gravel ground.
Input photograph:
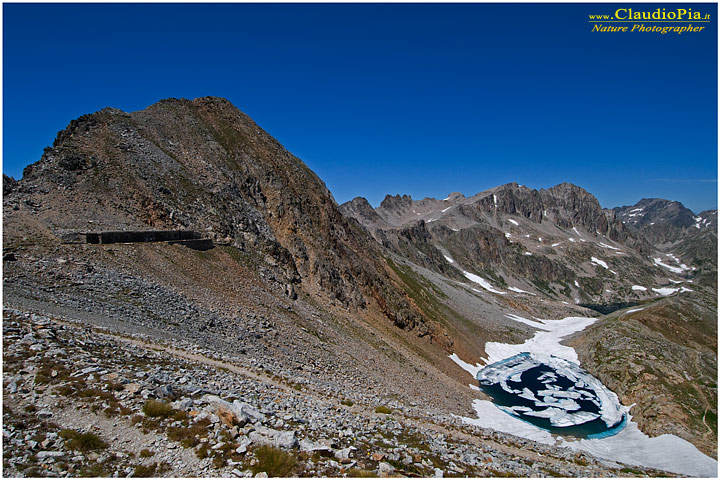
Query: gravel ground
(82, 401)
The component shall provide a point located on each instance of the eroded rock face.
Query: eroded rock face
(552, 393)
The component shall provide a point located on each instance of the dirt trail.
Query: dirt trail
(446, 430)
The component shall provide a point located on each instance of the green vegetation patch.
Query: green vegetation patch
(83, 442)
(273, 461)
(155, 409)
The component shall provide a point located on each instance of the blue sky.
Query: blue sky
(393, 98)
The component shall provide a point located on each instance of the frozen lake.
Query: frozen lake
(553, 394)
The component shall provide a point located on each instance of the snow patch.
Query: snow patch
(639, 288)
(450, 260)
(545, 342)
(448, 208)
(665, 291)
(659, 263)
(597, 261)
(482, 282)
(555, 244)
(471, 369)
(665, 452)
(635, 310)
(512, 221)
(515, 289)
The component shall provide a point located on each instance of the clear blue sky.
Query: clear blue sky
(376, 99)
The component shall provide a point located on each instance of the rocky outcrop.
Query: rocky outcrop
(361, 210)
(9, 183)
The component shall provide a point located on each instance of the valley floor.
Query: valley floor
(80, 400)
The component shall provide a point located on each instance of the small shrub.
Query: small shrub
(383, 409)
(348, 403)
(84, 442)
(67, 433)
(64, 390)
(145, 453)
(153, 408)
(187, 436)
(219, 462)
(113, 386)
(96, 470)
(202, 452)
(145, 471)
(180, 415)
(273, 461)
(92, 393)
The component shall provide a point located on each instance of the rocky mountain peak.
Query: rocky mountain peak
(205, 166)
(654, 210)
(454, 197)
(396, 202)
(360, 209)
